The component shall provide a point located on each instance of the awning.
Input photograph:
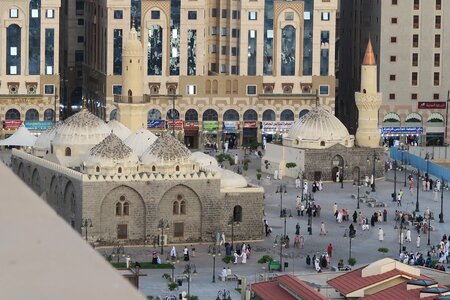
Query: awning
(391, 117)
(436, 117)
(413, 117)
(22, 137)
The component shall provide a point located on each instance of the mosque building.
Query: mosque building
(321, 146)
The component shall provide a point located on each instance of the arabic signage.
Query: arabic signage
(11, 124)
(401, 130)
(432, 105)
(230, 125)
(210, 125)
(276, 125)
(38, 125)
(178, 124)
(250, 124)
(191, 125)
(155, 124)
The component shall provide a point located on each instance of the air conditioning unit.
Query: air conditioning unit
(162, 240)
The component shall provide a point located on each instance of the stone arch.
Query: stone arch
(12, 114)
(269, 115)
(191, 222)
(135, 221)
(36, 182)
(231, 115)
(210, 114)
(336, 162)
(21, 171)
(250, 115)
(287, 115)
(53, 193)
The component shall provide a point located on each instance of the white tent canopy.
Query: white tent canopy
(22, 137)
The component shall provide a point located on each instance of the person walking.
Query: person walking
(297, 229)
(408, 235)
(399, 200)
(297, 183)
(418, 241)
(355, 216)
(298, 204)
(266, 227)
(334, 208)
(380, 234)
(330, 250)
(322, 229)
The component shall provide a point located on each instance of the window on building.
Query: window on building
(438, 4)
(191, 89)
(192, 15)
(79, 5)
(49, 114)
(126, 208)
(118, 14)
(117, 52)
(213, 12)
(414, 77)
(251, 90)
(414, 96)
(122, 231)
(117, 89)
(79, 56)
(393, 20)
(234, 51)
(13, 50)
(191, 52)
(223, 68)
(49, 51)
(435, 96)
(80, 39)
(213, 30)
(213, 48)
(118, 209)
(436, 78)
(393, 39)
(80, 22)
(437, 22)
(234, 33)
(416, 4)
(391, 96)
(50, 13)
(392, 77)
(178, 230)
(234, 70)
(13, 13)
(393, 58)
(237, 213)
(325, 16)
(235, 14)
(34, 38)
(182, 207)
(223, 50)
(415, 42)
(415, 22)
(415, 59)
(49, 89)
(223, 31)
(154, 50)
(224, 13)
(323, 90)
(437, 41)
(68, 152)
(155, 14)
(394, 2)
(252, 15)
(437, 59)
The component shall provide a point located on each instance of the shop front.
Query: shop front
(209, 134)
(10, 127)
(273, 131)
(176, 127)
(157, 127)
(231, 134)
(395, 135)
(250, 133)
(39, 126)
(191, 134)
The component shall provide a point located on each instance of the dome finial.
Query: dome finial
(369, 56)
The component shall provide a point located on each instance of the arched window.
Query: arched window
(126, 208)
(12, 114)
(176, 114)
(210, 115)
(288, 51)
(68, 152)
(177, 168)
(113, 115)
(322, 143)
(287, 115)
(97, 169)
(13, 50)
(153, 115)
(130, 96)
(268, 115)
(118, 209)
(250, 115)
(303, 112)
(191, 115)
(153, 169)
(49, 115)
(32, 115)
(119, 170)
(231, 115)
(183, 207)
(175, 208)
(237, 213)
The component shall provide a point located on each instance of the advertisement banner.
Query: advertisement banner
(155, 124)
(11, 124)
(432, 105)
(210, 125)
(230, 125)
(252, 124)
(402, 130)
(38, 125)
(178, 124)
(191, 125)
(276, 125)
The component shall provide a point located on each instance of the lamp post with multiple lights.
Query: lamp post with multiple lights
(374, 158)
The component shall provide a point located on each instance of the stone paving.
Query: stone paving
(364, 246)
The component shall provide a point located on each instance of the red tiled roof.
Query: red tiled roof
(276, 289)
(353, 281)
(398, 291)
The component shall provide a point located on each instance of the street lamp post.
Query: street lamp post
(232, 223)
(429, 229)
(375, 157)
(163, 224)
(394, 165)
(309, 212)
(403, 148)
(85, 224)
(400, 236)
(351, 235)
(283, 239)
(280, 190)
(344, 166)
(417, 193)
(223, 295)
(444, 185)
(303, 182)
(214, 250)
(428, 156)
(118, 250)
(172, 261)
(359, 185)
(188, 270)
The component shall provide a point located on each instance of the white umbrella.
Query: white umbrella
(22, 137)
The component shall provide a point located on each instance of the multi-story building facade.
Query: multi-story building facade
(72, 55)
(29, 60)
(215, 70)
(410, 44)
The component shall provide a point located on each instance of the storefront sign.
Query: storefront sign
(276, 125)
(231, 126)
(38, 125)
(250, 124)
(178, 124)
(401, 130)
(155, 124)
(11, 124)
(210, 125)
(432, 105)
(191, 125)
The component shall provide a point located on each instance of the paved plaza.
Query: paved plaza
(364, 246)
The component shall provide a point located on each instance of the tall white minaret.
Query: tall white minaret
(368, 101)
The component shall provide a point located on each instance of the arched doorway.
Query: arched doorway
(231, 128)
(336, 163)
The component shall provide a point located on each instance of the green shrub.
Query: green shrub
(265, 259)
(267, 164)
(254, 145)
(258, 176)
(228, 259)
(149, 297)
(258, 170)
(245, 167)
(352, 261)
(193, 298)
(166, 276)
(383, 250)
(172, 286)
(290, 165)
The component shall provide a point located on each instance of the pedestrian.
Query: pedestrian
(297, 229)
(330, 250)
(408, 236)
(380, 234)
(322, 229)
(305, 188)
(435, 194)
(186, 253)
(418, 241)
(236, 159)
(222, 238)
(355, 216)
(275, 175)
(302, 209)
(266, 227)
(173, 253)
(298, 203)
(385, 215)
(320, 185)
(236, 255)
(334, 208)
(297, 183)
(399, 200)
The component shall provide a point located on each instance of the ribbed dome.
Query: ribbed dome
(166, 149)
(119, 129)
(44, 139)
(140, 140)
(111, 151)
(132, 45)
(318, 129)
(82, 128)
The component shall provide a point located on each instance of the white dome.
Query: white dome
(119, 129)
(203, 159)
(110, 155)
(318, 129)
(140, 140)
(166, 149)
(82, 128)
(43, 141)
(229, 179)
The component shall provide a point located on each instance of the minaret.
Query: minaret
(131, 107)
(368, 101)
